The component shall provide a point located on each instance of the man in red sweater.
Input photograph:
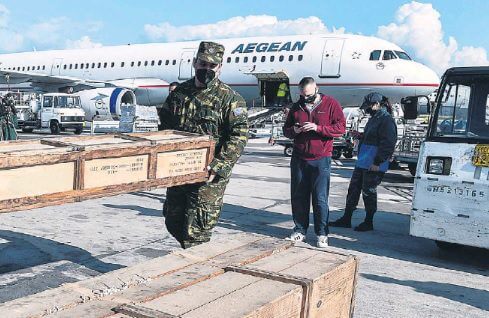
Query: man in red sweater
(312, 123)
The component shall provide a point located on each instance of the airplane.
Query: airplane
(345, 66)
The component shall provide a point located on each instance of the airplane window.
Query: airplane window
(112, 64)
(23, 68)
(87, 65)
(174, 62)
(291, 58)
(145, 63)
(374, 55)
(139, 63)
(403, 55)
(33, 68)
(152, 63)
(228, 60)
(272, 58)
(167, 62)
(71, 66)
(245, 59)
(81, 66)
(28, 68)
(105, 65)
(281, 58)
(122, 64)
(76, 66)
(263, 58)
(43, 67)
(300, 57)
(38, 68)
(132, 64)
(236, 60)
(93, 65)
(18, 68)
(254, 59)
(99, 65)
(65, 66)
(159, 62)
(389, 55)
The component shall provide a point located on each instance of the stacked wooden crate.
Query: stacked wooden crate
(242, 275)
(49, 171)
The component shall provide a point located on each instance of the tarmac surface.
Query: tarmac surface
(400, 275)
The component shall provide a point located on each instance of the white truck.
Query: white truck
(56, 111)
(451, 190)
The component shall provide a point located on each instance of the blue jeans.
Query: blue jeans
(310, 178)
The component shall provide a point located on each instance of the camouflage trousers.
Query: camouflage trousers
(7, 128)
(192, 211)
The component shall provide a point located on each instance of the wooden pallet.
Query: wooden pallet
(242, 275)
(42, 172)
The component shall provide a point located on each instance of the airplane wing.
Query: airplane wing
(44, 80)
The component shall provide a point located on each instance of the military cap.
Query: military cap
(210, 52)
(370, 99)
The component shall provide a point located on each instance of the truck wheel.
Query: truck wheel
(27, 130)
(78, 130)
(54, 126)
(336, 154)
(412, 168)
(348, 154)
(288, 151)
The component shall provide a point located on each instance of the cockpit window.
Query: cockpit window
(375, 55)
(389, 55)
(403, 55)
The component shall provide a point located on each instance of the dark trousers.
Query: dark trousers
(310, 178)
(365, 182)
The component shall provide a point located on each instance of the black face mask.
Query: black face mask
(205, 76)
(370, 111)
(308, 99)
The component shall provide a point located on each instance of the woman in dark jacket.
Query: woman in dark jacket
(376, 147)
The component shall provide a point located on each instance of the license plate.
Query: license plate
(464, 192)
(481, 156)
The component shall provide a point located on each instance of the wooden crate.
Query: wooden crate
(36, 173)
(271, 278)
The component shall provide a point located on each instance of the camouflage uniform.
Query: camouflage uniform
(191, 211)
(7, 120)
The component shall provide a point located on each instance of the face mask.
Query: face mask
(370, 111)
(205, 76)
(309, 99)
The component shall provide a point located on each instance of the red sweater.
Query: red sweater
(329, 117)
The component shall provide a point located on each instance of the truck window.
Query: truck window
(452, 116)
(48, 101)
(487, 111)
(67, 101)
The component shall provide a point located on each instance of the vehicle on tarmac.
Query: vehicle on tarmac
(412, 129)
(451, 190)
(56, 111)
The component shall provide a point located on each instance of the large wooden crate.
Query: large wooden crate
(238, 276)
(35, 173)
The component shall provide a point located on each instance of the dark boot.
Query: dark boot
(344, 221)
(364, 227)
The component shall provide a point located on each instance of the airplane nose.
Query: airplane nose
(426, 78)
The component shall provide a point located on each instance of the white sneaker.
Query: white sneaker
(322, 241)
(296, 237)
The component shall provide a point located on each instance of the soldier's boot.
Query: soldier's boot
(367, 225)
(344, 221)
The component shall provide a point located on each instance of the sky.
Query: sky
(439, 33)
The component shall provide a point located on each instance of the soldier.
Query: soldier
(7, 123)
(204, 105)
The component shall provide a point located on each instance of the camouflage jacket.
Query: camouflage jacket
(217, 111)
